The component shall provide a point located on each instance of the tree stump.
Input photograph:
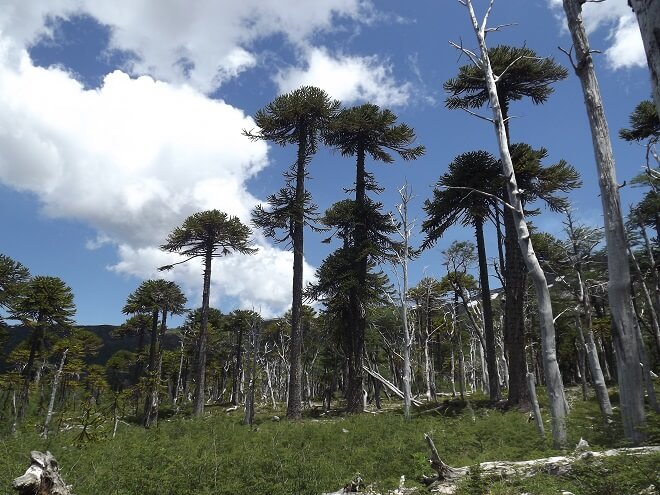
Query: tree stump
(42, 477)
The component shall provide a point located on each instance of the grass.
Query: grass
(217, 455)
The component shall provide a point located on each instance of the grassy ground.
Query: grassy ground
(217, 455)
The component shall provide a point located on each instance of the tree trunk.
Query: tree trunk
(42, 477)
(294, 402)
(200, 369)
(489, 332)
(538, 419)
(653, 315)
(623, 327)
(554, 385)
(152, 383)
(53, 393)
(648, 17)
(35, 342)
(357, 325)
(248, 419)
(238, 371)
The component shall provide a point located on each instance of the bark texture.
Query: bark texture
(42, 477)
(200, 368)
(648, 17)
(623, 326)
(555, 387)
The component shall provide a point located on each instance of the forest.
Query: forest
(370, 382)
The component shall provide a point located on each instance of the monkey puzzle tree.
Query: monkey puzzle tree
(521, 73)
(155, 297)
(467, 193)
(296, 118)
(361, 131)
(44, 303)
(207, 235)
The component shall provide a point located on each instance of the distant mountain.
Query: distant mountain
(19, 333)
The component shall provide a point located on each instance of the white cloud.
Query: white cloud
(626, 49)
(261, 281)
(347, 78)
(133, 159)
(204, 42)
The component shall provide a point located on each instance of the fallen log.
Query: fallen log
(447, 477)
(42, 477)
(389, 385)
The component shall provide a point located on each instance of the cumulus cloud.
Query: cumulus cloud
(203, 43)
(625, 48)
(133, 159)
(347, 78)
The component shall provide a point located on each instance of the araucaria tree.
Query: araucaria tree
(521, 74)
(468, 193)
(207, 235)
(155, 297)
(46, 302)
(358, 132)
(555, 387)
(297, 118)
(619, 283)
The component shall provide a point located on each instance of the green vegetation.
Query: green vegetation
(321, 453)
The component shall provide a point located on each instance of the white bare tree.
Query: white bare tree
(631, 391)
(555, 387)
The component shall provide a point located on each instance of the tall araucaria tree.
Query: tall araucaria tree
(521, 73)
(45, 302)
(361, 131)
(207, 235)
(619, 284)
(467, 194)
(296, 118)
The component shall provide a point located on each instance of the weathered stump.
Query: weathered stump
(42, 477)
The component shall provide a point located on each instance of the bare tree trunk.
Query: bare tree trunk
(535, 405)
(42, 477)
(248, 419)
(453, 371)
(178, 387)
(405, 193)
(623, 326)
(653, 315)
(53, 392)
(648, 17)
(554, 385)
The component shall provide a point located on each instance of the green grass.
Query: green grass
(217, 455)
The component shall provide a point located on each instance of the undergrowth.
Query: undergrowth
(217, 455)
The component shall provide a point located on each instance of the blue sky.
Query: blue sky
(119, 119)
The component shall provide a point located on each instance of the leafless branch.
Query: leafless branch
(470, 54)
(569, 54)
(498, 28)
(484, 22)
(475, 114)
(496, 198)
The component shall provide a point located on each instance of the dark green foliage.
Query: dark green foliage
(644, 123)
(209, 228)
(45, 301)
(537, 181)
(13, 276)
(476, 171)
(522, 74)
(369, 129)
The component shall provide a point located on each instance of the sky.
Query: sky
(120, 119)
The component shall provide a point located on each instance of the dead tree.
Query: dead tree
(42, 477)
(555, 387)
(648, 17)
(619, 283)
